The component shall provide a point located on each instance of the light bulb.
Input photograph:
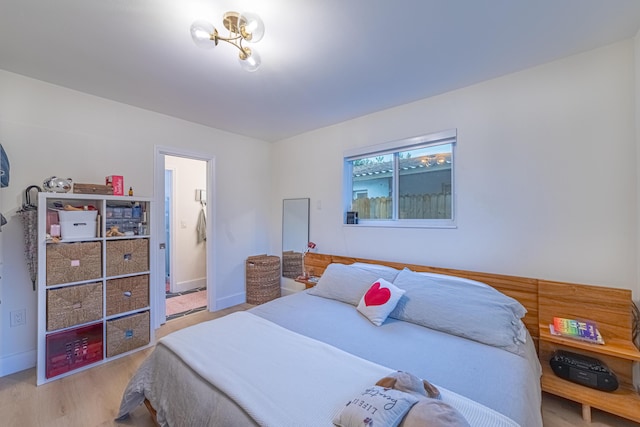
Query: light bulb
(253, 28)
(202, 33)
(252, 60)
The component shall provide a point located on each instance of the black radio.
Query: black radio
(584, 370)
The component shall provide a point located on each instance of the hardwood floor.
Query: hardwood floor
(92, 397)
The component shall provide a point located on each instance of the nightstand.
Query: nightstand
(308, 282)
(611, 310)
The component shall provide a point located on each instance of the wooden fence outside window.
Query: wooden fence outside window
(420, 206)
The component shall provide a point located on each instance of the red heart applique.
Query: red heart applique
(377, 295)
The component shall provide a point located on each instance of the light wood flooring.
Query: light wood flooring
(92, 397)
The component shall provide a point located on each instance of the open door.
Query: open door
(160, 253)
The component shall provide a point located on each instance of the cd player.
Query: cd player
(584, 370)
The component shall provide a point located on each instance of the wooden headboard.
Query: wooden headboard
(610, 308)
(523, 289)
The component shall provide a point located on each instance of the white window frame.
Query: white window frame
(439, 138)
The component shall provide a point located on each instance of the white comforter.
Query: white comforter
(281, 378)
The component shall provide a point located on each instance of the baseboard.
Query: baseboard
(241, 298)
(290, 286)
(17, 362)
(190, 284)
(230, 301)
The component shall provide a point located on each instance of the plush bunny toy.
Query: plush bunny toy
(430, 411)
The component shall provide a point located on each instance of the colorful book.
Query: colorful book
(584, 330)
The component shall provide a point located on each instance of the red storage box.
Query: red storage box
(117, 182)
(72, 349)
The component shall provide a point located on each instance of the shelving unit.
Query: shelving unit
(611, 310)
(93, 289)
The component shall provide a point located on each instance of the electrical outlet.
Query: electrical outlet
(18, 317)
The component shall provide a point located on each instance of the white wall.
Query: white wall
(189, 264)
(49, 130)
(545, 175)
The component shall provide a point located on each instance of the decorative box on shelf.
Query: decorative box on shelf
(106, 190)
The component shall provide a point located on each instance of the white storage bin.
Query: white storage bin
(77, 224)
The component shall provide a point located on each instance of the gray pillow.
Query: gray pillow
(347, 283)
(475, 312)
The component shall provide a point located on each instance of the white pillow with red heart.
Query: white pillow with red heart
(379, 300)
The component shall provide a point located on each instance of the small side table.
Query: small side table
(309, 282)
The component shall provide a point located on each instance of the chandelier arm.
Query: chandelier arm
(228, 39)
(234, 41)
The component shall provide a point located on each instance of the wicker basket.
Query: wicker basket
(292, 264)
(263, 278)
(73, 305)
(127, 333)
(127, 256)
(73, 262)
(127, 294)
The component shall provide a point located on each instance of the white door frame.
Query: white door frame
(172, 228)
(158, 298)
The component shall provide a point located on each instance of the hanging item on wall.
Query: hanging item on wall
(201, 226)
(4, 168)
(4, 178)
(29, 216)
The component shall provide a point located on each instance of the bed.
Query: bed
(299, 359)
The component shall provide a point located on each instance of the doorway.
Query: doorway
(185, 234)
(173, 224)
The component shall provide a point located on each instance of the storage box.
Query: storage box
(127, 333)
(78, 224)
(72, 349)
(117, 183)
(127, 256)
(92, 189)
(52, 219)
(73, 262)
(127, 294)
(73, 305)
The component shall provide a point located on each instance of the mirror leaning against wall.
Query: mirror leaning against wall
(295, 235)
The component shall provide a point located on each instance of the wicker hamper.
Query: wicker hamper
(263, 278)
(127, 333)
(127, 256)
(73, 305)
(291, 264)
(127, 294)
(73, 262)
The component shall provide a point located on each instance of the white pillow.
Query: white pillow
(476, 312)
(379, 300)
(378, 267)
(347, 283)
(376, 406)
(456, 279)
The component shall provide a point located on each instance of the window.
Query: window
(402, 183)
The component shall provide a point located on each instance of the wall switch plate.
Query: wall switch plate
(18, 317)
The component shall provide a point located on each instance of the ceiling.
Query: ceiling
(323, 61)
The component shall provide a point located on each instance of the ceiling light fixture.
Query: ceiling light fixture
(242, 27)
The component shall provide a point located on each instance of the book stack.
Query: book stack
(583, 330)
